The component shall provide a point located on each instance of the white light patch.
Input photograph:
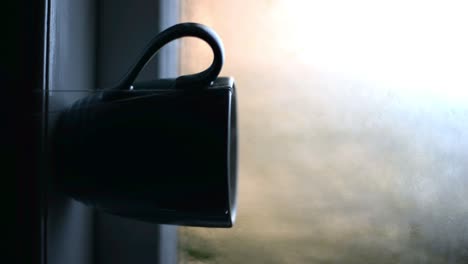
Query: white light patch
(415, 47)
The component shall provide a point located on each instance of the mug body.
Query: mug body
(157, 154)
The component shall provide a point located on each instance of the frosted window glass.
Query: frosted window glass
(353, 128)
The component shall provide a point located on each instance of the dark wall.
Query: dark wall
(71, 67)
(21, 72)
(125, 28)
(91, 44)
(123, 31)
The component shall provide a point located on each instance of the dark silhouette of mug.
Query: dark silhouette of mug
(163, 151)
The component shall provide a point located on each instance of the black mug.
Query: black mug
(163, 151)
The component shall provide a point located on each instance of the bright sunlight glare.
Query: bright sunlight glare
(416, 47)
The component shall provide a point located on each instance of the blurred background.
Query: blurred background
(353, 123)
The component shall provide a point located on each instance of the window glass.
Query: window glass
(353, 128)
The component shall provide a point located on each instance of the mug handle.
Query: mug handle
(200, 79)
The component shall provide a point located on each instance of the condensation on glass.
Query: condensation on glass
(353, 129)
